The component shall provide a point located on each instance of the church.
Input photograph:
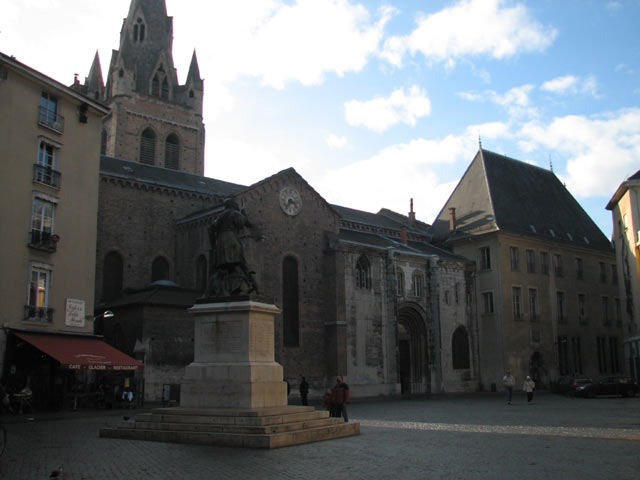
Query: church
(363, 295)
(387, 301)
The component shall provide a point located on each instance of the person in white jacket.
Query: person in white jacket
(528, 387)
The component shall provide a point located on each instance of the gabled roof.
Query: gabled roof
(117, 167)
(500, 193)
(633, 180)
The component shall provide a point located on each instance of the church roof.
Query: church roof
(383, 219)
(165, 177)
(498, 193)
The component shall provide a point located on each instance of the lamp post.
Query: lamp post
(105, 314)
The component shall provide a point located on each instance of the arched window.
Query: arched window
(400, 281)
(201, 274)
(164, 93)
(160, 269)
(155, 86)
(290, 295)
(172, 152)
(363, 273)
(148, 147)
(112, 276)
(138, 31)
(460, 348)
(417, 284)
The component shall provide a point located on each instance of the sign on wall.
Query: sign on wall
(74, 313)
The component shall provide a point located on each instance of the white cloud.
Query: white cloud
(600, 150)
(570, 84)
(516, 101)
(335, 142)
(472, 27)
(380, 114)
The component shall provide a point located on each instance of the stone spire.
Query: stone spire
(94, 82)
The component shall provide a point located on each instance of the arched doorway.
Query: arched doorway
(413, 356)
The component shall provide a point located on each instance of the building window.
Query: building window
(485, 258)
(456, 293)
(460, 348)
(487, 301)
(582, 308)
(514, 257)
(613, 354)
(576, 350)
(172, 152)
(363, 273)
(290, 299)
(531, 261)
(159, 269)
(617, 311)
(138, 31)
(46, 169)
(603, 272)
(557, 265)
(563, 354)
(37, 308)
(544, 263)
(417, 285)
(517, 305)
(606, 316)
(400, 281)
(201, 274)
(155, 86)
(164, 91)
(42, 223)
(112, 273)
(602, 356)
(533, 304)
(560, 307)
(614, 275)
(103, 142)
(49, 113)
(148, 147)
(579, 269)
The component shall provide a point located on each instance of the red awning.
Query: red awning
(78, 353)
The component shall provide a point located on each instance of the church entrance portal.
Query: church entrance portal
(413, 358)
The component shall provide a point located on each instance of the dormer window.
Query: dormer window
(138, 31)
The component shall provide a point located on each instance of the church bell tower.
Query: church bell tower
(153, 119)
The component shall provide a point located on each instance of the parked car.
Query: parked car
(572, 384)
(624, 386)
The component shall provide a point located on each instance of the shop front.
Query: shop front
(62, 370)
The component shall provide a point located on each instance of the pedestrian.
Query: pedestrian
(342, 397)
(528, 387)
(304, 391)
(509, 382)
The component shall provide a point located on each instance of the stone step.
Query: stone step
(143, 423)
(276, 417)
(276, 440)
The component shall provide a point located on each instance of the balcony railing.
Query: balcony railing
(51, 119)
(38, 314)
(46, 175)
(43, 240)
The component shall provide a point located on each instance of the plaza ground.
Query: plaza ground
(467, 436)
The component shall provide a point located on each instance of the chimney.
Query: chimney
(412, 214)
(452, 219)
(404, 236)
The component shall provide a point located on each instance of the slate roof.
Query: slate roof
(153, 175)
(500, 193)
(383, 219)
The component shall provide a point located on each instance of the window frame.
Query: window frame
(485, 258)
(488, 307)
(516, 296)
(37, 309)
(531, 260)
(514, 258)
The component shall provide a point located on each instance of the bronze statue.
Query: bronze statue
(231, 276)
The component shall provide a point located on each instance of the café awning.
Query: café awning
(80, 353)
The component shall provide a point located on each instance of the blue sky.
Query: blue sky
(375, 102)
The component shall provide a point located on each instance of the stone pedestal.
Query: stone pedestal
(234, 362)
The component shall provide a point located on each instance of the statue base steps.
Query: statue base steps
(250, 428)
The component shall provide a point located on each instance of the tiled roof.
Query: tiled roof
(166, 177)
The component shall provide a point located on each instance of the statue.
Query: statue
(230, 276)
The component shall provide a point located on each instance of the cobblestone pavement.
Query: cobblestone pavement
(473, 436)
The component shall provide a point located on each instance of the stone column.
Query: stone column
(234, 362)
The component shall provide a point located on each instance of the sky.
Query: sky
(377, 102)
